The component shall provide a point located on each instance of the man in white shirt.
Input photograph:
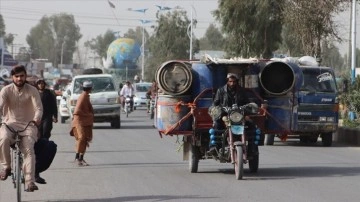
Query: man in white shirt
(20, 103)
(127, 90)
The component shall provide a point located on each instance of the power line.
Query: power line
(33, 12)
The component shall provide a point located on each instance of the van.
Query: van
(104, 97)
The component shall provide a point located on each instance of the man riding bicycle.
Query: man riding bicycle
(20, 103)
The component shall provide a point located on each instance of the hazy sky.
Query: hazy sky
(96, 16)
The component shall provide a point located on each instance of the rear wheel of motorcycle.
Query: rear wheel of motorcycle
(239, 163)
(194, 158)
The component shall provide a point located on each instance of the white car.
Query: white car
(141, 89)
(103, 97)
(63, 110)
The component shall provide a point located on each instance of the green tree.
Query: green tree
(53, 37)
(213, 39)
(313, 22)
(169, 41)
(332, 58)
(23, 55)
(2, 26)
(252, 28)
(101, 43)
(8, 38)
(137, 34)
(290, 44)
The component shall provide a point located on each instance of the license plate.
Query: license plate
(237, 129)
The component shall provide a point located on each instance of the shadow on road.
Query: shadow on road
(282, 173)
(137, 198)
(145, 127)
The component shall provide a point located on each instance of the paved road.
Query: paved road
(134, 164)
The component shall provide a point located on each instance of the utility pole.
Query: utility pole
(353, 42)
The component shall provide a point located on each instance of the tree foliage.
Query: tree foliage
(290, 45)
(137, 34)
(169, 41)
(2, 26)
(331, 57)
(252, 28)
(53, 35)
(213, 39)
(313, 22)
(351, 102)
(8, 38)
(101, 43)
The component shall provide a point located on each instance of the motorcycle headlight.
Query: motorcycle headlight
(215, 112)
(236, 117)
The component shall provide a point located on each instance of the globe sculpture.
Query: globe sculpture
(122, 53)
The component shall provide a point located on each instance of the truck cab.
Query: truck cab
(307, 112)
(317, 112)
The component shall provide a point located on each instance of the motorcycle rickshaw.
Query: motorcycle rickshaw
(188, 112)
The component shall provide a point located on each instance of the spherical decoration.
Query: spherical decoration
(124, 52)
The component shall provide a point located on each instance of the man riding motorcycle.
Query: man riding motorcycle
(226, 96)
(127, 91)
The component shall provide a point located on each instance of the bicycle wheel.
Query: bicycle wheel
(18, 176)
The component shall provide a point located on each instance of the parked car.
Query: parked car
(104, 97)
(141, 89)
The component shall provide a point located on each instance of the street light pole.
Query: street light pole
(62, 54)
(143, 53)
(353, 42)
(191, 34)
(143, 40)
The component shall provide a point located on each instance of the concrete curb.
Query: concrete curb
(349, 136)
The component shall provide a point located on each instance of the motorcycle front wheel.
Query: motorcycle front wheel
(239, 163)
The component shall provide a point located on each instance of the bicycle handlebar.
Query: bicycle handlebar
(18, 131)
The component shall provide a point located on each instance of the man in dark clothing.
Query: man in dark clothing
(150, 94)
(226, 96)
(49, 116)
(50, 113)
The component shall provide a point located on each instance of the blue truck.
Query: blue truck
(307, 111)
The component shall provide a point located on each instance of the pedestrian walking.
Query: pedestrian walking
(82, 123)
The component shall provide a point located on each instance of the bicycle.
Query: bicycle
(17, 174)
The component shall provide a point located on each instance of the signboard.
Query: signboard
(8, 59)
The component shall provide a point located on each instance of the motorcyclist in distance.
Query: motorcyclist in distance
(127, 90)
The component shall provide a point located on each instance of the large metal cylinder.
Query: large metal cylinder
(278, 78)
(174, 77)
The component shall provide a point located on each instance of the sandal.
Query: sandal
(31, 187)
(4, 174)
(82, 163)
